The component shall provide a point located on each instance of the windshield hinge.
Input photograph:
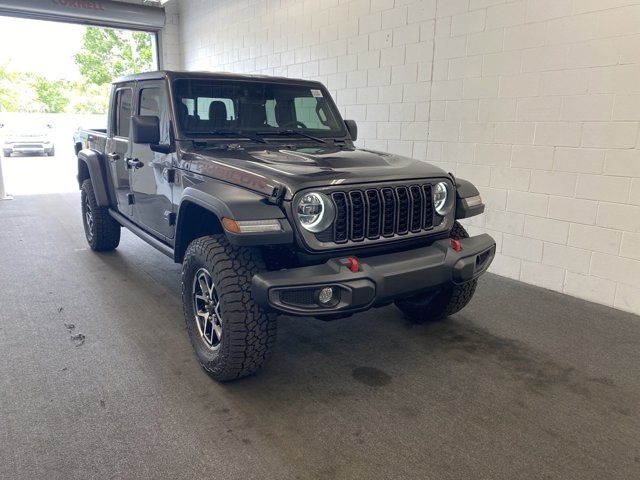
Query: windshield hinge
(277, 195)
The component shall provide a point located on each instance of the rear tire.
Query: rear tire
(231, 335)
(101, 230)
(51, 153)
(438, 305)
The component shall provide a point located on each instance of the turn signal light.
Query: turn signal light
(251, 226)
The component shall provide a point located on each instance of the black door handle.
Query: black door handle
(113, 156)
(134, 163)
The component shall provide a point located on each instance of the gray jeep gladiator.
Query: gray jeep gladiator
(253, 183)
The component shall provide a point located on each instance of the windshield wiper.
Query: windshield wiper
(291, 132)
(234, 134)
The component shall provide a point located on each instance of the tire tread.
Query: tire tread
(251, 331)
(449, 301)
(107, 231)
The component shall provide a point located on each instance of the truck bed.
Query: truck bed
(94, 138)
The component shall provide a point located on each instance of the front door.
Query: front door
(117, 149)
(151, 176)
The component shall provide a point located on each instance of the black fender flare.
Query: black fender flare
(466, 190)
(229, 201)
(94, 163)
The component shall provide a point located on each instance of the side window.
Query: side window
(152, 101)
(124, 109)
(149, 102)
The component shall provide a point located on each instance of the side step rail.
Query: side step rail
(147, 237)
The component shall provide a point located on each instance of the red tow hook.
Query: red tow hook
(354, 266)
(455, 244)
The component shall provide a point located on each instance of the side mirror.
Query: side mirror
(145, 129)
(352, 128)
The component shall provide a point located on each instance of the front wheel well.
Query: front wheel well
(194, 221)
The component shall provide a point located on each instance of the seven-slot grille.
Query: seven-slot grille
(374, 213)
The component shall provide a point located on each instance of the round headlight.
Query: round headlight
(315, 211)
(441, 198)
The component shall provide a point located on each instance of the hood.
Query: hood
(262, 168)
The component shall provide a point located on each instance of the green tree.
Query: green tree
(51, 93)
(8, 94)
(89, 98)
(107, 54)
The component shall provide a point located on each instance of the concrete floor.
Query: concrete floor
(524, 383)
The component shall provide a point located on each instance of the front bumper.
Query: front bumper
(378, 280)
(33, 147)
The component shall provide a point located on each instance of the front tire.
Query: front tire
(51, 152)
(231, 335)
(101, 230)
(7, 153)
(438, 305)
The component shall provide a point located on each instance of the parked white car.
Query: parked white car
(28, 140)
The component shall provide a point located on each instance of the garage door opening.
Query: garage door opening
(54, 78)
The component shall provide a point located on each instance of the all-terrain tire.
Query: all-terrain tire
(438, 305)
(248, 333)
(101, 230)
(7, 153)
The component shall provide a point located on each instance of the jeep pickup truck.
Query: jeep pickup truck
(254, 185)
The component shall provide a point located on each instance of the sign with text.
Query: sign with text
(90, 12)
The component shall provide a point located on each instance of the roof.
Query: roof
(175, 74)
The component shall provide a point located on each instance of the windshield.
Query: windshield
(211, 107)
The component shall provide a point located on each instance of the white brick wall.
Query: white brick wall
(170, 38)
(375, 56)
(568, 81)
(536, 101)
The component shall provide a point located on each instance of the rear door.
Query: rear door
(151, 180)
(117, 149)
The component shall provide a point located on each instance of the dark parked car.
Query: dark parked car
(254, 185)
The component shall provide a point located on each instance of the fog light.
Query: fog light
(326, 295)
